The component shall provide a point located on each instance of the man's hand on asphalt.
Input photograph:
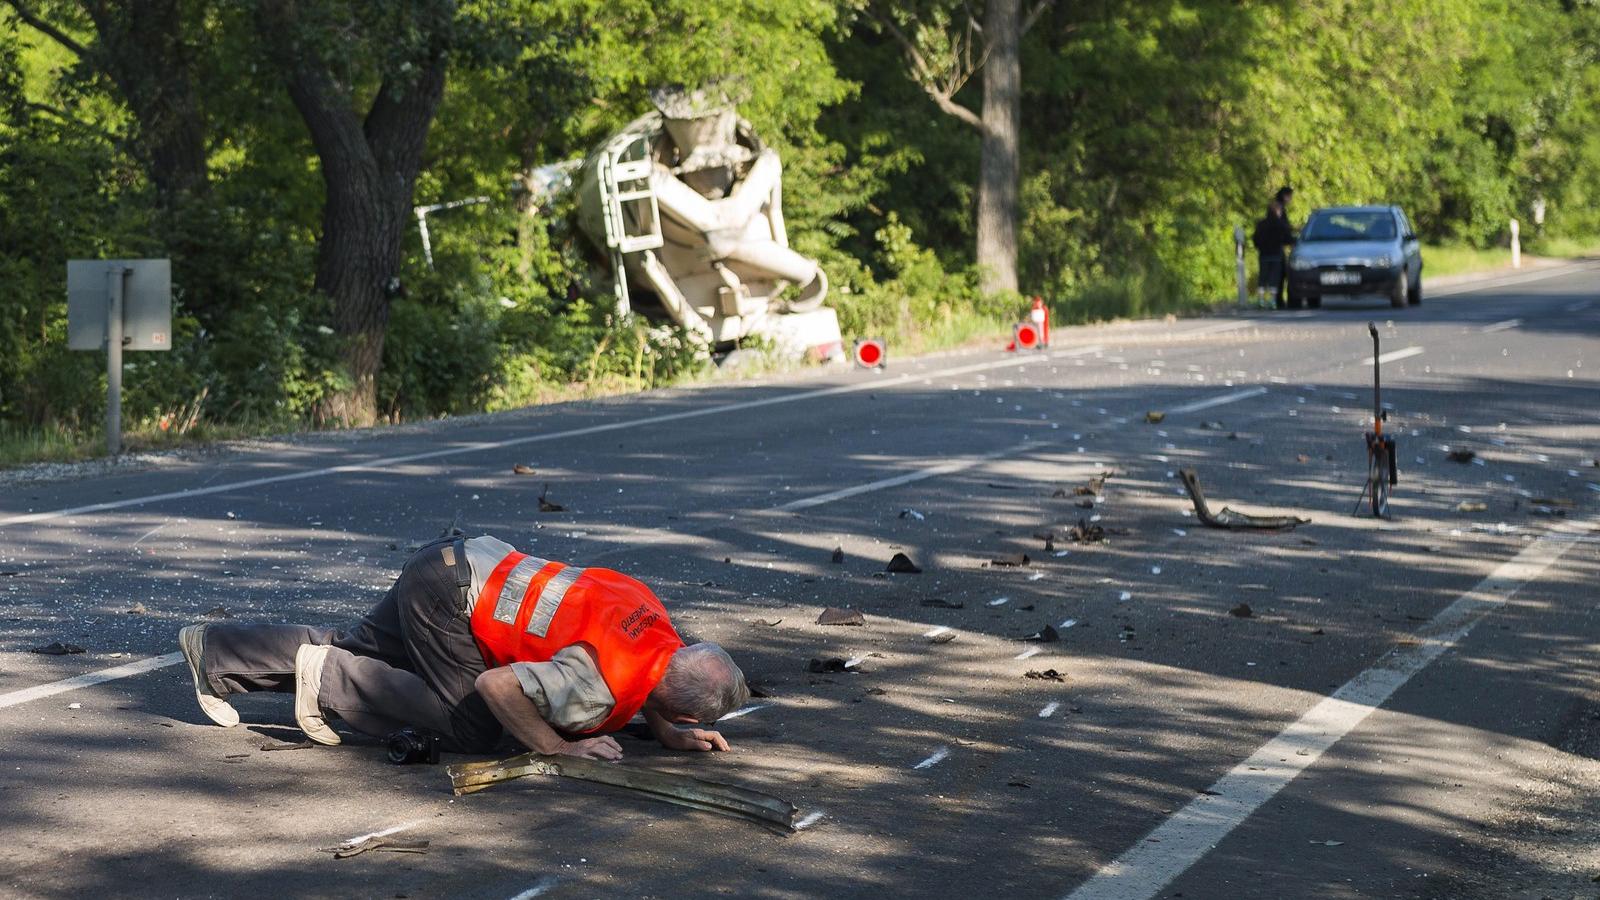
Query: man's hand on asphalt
(594, 748)
(693, 739)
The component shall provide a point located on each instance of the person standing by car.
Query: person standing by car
(1271, 235)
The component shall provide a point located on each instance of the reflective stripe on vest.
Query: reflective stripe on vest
(550, 597)
(510, 599)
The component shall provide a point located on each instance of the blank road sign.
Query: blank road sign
(146, 303)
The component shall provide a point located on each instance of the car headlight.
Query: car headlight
(1383, 262)
(1300, 265)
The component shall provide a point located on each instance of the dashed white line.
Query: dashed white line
(905, 478)
(1507, 325)
(1029, 653)
(1223, 400)
(1049, 710)
(1190, 833)
(933, 760)
(396, 829)
(90, 679)
(1219, 328)
(1395, 355)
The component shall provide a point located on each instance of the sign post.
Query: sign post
(1238, 263)
(122, 304)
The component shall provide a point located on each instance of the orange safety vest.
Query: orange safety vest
(531, 609)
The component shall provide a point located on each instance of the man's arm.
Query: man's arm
(674, 738)
(503, 692)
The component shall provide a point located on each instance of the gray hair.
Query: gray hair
(702, 681)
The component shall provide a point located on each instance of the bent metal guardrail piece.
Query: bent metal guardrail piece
(683, 790)
(1228, 518)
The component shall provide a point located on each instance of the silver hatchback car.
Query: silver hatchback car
(1356, 250)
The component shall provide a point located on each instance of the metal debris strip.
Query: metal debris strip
(682, 790)
(345, 851)
(1228, 518)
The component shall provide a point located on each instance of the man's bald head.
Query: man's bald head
(701, 681)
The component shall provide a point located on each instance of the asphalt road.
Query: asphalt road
(1410, 709)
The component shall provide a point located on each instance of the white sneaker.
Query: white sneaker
(192, 641)
(308, 662)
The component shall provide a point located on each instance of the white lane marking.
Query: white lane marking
(1219, 328)
(1469, 287)
(539, 887)
(1223, 400)
(935, 632)
(1000, 601)
(1029, 653)
(1182, 840)
(744, 712)
(480, 446)
(937, 757)
(89, 679)
(1507, 325)
(808, 820)
(407, 826)
(1580, 306)
(1394, 355)
(905, 478)
(1049, 710)
(1077, 351)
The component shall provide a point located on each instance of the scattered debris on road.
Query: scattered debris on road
(1086, 532)
(901, 564)
(835, 616)
(838, 556)
(828, 666)
(217, 612)
(1045, 675)
(138, 609)
(1045, 635)
(1242, 611)
(545, 505)
(682, 790)
(1154, 417)
(769, 623)
(908, 512)
(941, 603)
(1227, 518)
(1011, 559)
(57, 648)
(943, 637)
(1460, 456)
(522, 469)
(285, 745)
(1470, 506)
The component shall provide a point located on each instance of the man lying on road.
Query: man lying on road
(475, 637)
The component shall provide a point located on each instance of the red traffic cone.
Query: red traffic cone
(1026, 336)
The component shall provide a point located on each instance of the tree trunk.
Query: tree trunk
(1000, 163)
(369, 168)
(141, 49)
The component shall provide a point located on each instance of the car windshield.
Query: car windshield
(1350, 226)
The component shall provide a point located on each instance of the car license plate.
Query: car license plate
(1341, 277)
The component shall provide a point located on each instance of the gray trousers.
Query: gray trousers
(411, 661)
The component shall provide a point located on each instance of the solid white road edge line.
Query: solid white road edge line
(1193, 831)
(1507, 325)
(89, 679)
(477, 447)
(1394, 355)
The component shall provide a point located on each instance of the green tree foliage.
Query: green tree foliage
(1150, 129)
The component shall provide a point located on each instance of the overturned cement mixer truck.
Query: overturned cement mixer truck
(687, 203)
